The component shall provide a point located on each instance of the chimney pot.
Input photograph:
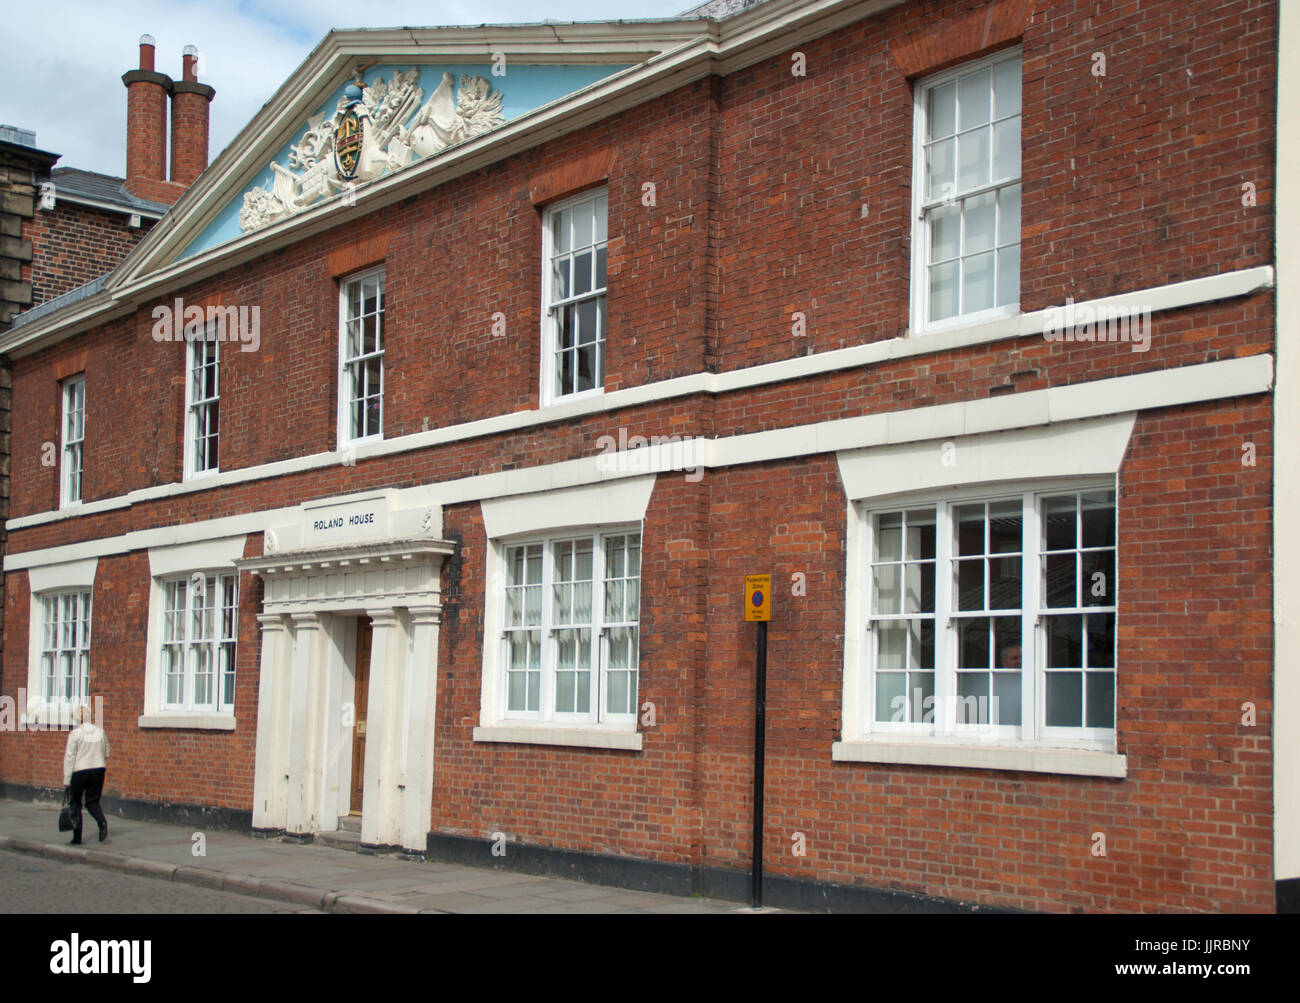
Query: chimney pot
(146, 52)
(189, 126)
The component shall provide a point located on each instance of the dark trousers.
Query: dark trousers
(91, 784)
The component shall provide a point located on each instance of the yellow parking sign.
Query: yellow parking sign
(758, 597)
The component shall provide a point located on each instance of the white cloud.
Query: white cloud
(65, 82)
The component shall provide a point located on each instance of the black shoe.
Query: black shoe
(103, 831)
(75, 841)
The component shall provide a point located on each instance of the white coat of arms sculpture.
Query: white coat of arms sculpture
(376, 128)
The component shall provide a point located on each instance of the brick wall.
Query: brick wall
(760, 182)
(74, 244)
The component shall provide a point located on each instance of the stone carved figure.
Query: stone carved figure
(395, 129)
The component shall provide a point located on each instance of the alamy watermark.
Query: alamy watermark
(40, 714)
(1115, 322)
(640, 454)
(977, 716)
(179, 322)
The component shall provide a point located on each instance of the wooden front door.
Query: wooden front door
(362, 673)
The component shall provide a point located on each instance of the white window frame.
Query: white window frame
(1033, 731)
(55, 643)
(921, 208)
(551, 306)
(72, 453)
(200, 408)
(180, 641)
(546, 714)
(346, 363)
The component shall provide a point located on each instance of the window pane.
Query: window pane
(939, 166)
(945, 233)
(562, 223)
(977, 284)
(1101, 640)
(1064, 641)
(972, 159)
(973, 643)
(921, 644)
(560, 278)
(889, 537)
(1098, 518)
(588, 330)
(890, 704)
(1006, 88)
(1101, 700)
(920, 697)
(920, 534)
(582, 268)
(918, 588)
(1009, 276)
(618, 701)
(943, 291)
(970, 585)
(1064, 699)
(1006, 149)
(1009, 215)
(1005, 583)
(1059, 522)
(974, 91)
(942, 114)
(972, 697)
(518, 687)
(891, 639)
(886, 580)
(981, 218)
(1005, 709)
(1097, 587)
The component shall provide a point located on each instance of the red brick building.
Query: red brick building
(430, 437)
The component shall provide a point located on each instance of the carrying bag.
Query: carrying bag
(68, 816)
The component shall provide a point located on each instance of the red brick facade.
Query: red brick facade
(774, 194)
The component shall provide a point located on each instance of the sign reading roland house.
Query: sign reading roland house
(346, 522)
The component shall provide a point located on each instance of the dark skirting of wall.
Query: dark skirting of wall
(1288, 895)
(683, 879)
(204, 816)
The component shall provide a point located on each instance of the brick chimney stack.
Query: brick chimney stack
(189, 121)
(146, 127)
(147, 95)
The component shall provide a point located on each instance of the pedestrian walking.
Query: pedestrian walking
(84, 764)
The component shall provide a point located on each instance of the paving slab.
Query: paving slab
(314, 877)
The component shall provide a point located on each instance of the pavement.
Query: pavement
(317, 877)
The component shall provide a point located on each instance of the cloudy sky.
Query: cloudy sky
(64, 82)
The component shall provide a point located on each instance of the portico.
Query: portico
(349, 568)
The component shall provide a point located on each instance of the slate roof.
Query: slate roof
(73, 181)
(50, 305)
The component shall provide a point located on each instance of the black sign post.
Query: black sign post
(760, 743)
(758, 609)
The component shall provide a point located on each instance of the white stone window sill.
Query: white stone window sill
(196, 722)
(587, 738)
(1032, 759)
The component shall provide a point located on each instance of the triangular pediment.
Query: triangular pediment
(371, 108)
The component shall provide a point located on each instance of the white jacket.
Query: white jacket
(87, 750)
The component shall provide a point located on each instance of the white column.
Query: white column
(270, 773)
(337, 736)
(380, 812)
(306, 724)
(420, 719)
